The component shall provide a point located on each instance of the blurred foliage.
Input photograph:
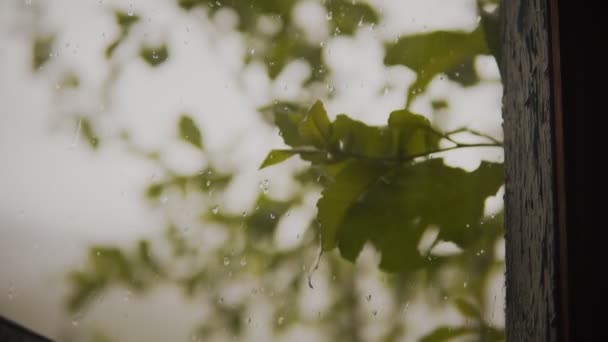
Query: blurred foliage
(124, 21)
(42, 50)
(380, 186)
(154, 56)
(87, 132)
(188, 131)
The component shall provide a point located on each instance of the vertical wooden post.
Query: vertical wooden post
(531, 196)
(554, 73)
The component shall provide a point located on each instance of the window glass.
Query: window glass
(251, 170)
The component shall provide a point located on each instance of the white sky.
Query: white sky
(57, 197)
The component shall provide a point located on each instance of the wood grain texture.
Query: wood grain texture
(530, 225)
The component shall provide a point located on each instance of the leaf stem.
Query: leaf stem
(341, 154)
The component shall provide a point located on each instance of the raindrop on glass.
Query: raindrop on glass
(281, 320)
(226, 261)
(243, 262)
(368, 297)
(329, 15)
(215, 209)
(251, 51)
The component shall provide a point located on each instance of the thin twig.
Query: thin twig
(317, 262)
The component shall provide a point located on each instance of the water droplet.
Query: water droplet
(272, 216)
(130, 11)
(215, 209)
(75, 322)
(280, 320)
(249, 320)
(154, 55)
(372, 26)
(375, 312)
(445, 297)
(221, 300)
(226, 261)
(243, 262)
(465, 285)
(11, 292)
(322, 44)
(244, 214)
(164, 199)
(406, 306)
(468, 225)
(360, 23)
(368, 297)
(478, 19)
(264, 186)
(208, 183)
(329, 15)
(251, 51)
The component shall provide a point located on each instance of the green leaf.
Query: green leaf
(346, 15)
(41, 50)
(315, 129)
(439, 104)
(464, 73)
(433, 53)
(289, 45)
(189, 132)
(147, 259)
(276, 156)
(391, 206)
(124, 20)
(341, 195)
(154, 190)
(88, 134)
(467, 309)
(412, 134)
(287, 120)
(445, 333)
(154, 55)
(491, 26)
(355, 138)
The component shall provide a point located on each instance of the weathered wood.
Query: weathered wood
(531, 229)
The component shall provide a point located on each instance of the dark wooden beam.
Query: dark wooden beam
(531, 224)
(554, 74)
(13, 332)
